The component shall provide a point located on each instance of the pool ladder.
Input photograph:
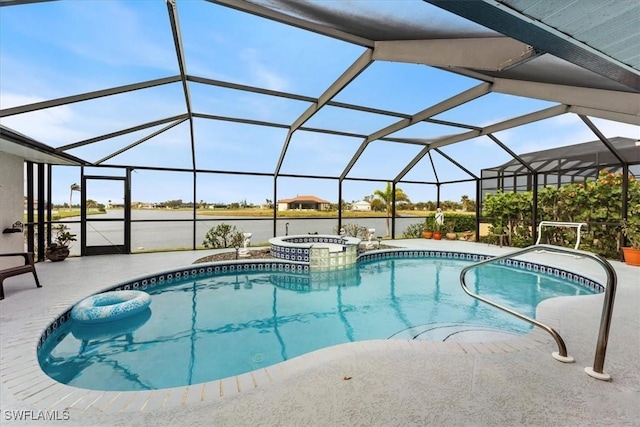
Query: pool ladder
(605, 321)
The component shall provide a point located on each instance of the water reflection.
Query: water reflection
(316, 280)
(218, 326)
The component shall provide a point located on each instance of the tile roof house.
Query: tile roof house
(306, 202)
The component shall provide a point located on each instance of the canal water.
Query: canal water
(170, 230)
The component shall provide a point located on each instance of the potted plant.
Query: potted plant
(631, 230)
(450, 235)
(59, 249)
(437, 231)
(427, 232)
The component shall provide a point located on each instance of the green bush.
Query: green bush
(459, 223)
(595, 202)
(413, 231)
(223, 236)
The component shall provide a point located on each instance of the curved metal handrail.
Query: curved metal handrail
(577, 225)
(605, 322)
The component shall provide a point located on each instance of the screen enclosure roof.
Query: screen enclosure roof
(364, 90)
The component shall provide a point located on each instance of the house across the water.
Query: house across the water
(304, 203)
(361, 206)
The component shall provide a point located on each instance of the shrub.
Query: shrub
(631, 227)
(413, 231)
(595, 202)
(455, 222)
(223, 236)
(461, 222)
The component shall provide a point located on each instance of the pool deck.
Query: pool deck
(375, 383)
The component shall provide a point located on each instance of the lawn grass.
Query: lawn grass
(64, 213)
(306, 214)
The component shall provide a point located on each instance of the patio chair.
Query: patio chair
(28, 267)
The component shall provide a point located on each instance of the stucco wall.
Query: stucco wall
(11, 206)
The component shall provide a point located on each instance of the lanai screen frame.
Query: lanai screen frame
(375, 51)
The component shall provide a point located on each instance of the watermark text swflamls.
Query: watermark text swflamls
(31, 415)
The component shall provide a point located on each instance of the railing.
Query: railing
(605, 322)
(577, 225)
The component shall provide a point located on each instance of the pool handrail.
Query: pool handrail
(605, 321)
(577, 225)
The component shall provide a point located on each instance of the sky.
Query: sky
(58, 49)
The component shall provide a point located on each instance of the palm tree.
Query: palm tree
(74, 187)
(387, 198)
(464, 200)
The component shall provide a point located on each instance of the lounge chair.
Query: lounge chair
(28, 267)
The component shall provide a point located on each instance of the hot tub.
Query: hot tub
(319, 251)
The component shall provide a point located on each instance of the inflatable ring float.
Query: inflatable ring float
(107, 330)
(110, 306)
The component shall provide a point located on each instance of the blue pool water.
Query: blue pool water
(218, 326)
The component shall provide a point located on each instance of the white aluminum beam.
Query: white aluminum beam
(488, 53)
(508, 21)
(599, 99)
(606, 115)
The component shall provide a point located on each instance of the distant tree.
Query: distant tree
(173, 204)
(464, 200)
(377, 205)
(387, 197)
(468, 205)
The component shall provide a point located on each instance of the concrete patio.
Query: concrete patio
(377, 383)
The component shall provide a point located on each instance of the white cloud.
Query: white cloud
(611, 129)
(133, 43)
(261, 73)
(52, 126)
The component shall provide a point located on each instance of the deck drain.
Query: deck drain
(257, 358)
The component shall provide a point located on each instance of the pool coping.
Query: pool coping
(22, 375)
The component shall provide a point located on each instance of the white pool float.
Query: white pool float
(110, 306)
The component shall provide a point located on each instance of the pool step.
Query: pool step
(454, 332)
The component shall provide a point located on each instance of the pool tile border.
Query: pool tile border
(44, 391)
(266, 265)
(510, 262)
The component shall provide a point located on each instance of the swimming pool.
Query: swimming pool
(219, 323)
